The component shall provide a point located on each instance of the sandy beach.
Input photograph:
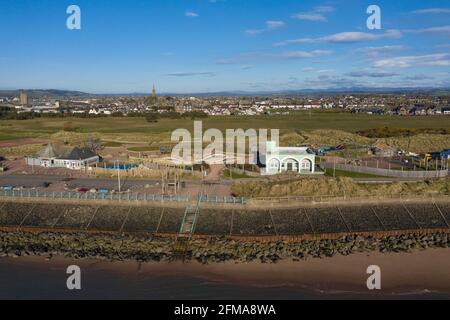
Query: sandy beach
(412, 275)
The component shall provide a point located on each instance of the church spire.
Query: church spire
(154, 92)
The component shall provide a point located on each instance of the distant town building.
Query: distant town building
(23, 98)
(60, 157)
(278, 160)
(446, 111)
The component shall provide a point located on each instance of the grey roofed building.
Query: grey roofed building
(78, 153)
(49, 152)
(61, 157)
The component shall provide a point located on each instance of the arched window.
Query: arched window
(306, 165)
(274, 164)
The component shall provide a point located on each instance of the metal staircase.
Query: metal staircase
(187, 229)
(190, 217)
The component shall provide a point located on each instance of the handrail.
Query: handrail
(129, 197)
(197, 212)
(186, 211)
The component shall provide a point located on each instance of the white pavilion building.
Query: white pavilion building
(283, 159)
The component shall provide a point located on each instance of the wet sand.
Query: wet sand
(422, 274)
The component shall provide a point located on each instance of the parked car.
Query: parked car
(83, 190)
(46, 184)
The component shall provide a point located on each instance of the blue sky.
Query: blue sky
(216, 45)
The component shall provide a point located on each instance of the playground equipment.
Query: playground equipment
(425, 160)
(170, 179)
(436, 159)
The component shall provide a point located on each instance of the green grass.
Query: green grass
(139, 127)
(234, 175)
(112, 144)
(348, 174)
(143, 149)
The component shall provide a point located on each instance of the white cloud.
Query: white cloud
(191, 74)
(430, 60)
(191, 14)
(326, 71)
(324, 9)
(310, 17)
(418, 77)
(346, 37)
(374, 52)
(441, 29)
(303, 54)
(288, 55)
(432, 11)
(371, 74)
(270, 25)
(317, 14)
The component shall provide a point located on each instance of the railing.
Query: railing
(119, 197)
(218, 199)
(387, 172)
(197, 212)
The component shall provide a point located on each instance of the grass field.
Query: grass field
(234, 175)
(348, 174)
(112, 144)
(138, 129)
(341, 186)
(143, 149)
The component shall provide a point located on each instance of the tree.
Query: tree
(152, 117)
(195, 115)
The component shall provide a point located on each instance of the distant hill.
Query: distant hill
(53, 93)
(310, 92)
(47, 93)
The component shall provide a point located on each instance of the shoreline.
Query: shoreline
(404, 275)
(123, 248)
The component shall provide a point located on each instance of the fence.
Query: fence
(120, 197)
(387, 172)
(295, 200)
